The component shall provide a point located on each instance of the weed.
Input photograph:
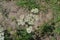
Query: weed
(27, 3)
(23, 35)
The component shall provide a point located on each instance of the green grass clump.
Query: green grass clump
(57, 30)
(46, 29)
(27, 3)
(23, 35)
(7, 35)
(55, 6)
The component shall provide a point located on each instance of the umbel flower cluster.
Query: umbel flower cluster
(1, 33)
(28, 19)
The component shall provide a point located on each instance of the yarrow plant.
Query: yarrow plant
(35, 10)
(28, 20)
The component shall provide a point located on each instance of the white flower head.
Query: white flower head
(1, 28)
(1, 38)
(1, 34)
(31, 22)
(29, 19)
(21, 22)
(35, 10)
(29, 29)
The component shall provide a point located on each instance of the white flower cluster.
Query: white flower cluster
(21, 21)
(35, 10)
(29, 29)
(1, 33)
(30, 19)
